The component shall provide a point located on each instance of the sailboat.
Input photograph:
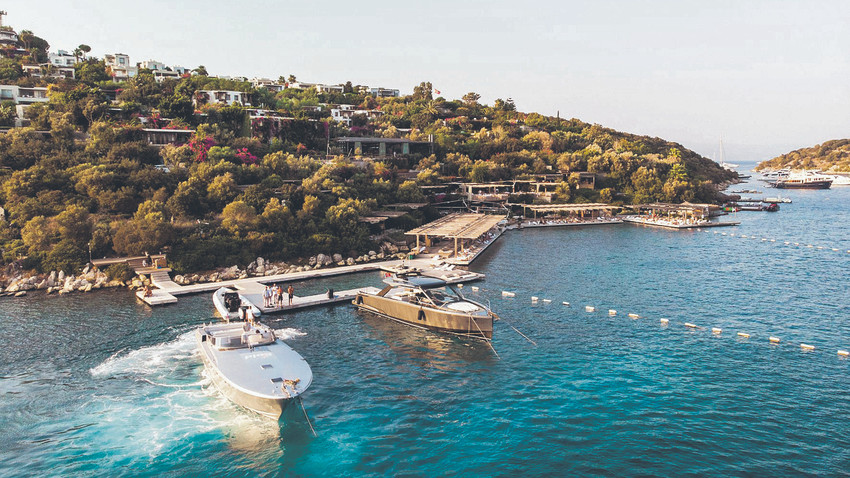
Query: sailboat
(723, 163)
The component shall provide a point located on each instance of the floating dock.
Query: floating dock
(670, 225)
(166, 290)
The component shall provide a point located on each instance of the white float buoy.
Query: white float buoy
(773, 240)
(691, 326)
(835, 249)
(612, 312)
(665, 321)
(475, 288)
(533, 299)
(774, 340)
(634, 316)
(787, 243)
(547, 301)
(589, 308)
(566, 303)
(763, 240)
(460, 286)
(716, 330)
(744, 236)
(807, 347)
(844, 353)
(742, 334)
(508, 294)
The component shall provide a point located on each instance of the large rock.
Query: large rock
(381, 255)
(42, 285)
(61, 276)
(372, 253)
(261, 262)
(337, 257)
(312, 261)
(349, 261)
(320, 259)
(51, 279)
(86, 269)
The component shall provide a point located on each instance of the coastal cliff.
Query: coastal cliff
(831, 156)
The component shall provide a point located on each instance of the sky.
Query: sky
(767, 77)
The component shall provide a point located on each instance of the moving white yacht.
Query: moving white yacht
(252, 367)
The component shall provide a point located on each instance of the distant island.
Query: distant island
(105, 157)
(831, 156)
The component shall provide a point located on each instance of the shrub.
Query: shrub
(120, 271)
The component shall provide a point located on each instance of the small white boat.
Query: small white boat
(232, 305)
(252, 367)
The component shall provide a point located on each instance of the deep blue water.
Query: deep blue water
(100, 384)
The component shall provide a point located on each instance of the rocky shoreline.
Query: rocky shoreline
(17, 283)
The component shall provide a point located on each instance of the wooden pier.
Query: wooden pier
(669, 225)
(252, 288)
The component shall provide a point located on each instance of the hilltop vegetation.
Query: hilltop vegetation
(833, 156)
(242, 187)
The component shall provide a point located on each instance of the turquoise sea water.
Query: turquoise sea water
(100, 384)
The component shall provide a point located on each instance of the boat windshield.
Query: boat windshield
(442, 295)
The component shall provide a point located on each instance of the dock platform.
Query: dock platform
(159, 297)
(252, 287)
(670, 225)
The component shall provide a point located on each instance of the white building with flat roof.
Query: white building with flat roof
(221, 97)
(61, 58)
(120, 67)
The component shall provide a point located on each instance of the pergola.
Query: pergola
(684, 209)
(463, 226)
(581, 209)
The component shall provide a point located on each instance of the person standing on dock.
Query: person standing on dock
(291, 292)
(279, 294)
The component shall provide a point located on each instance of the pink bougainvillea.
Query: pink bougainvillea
(246, 157)
(201, 147)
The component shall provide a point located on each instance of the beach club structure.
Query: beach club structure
(457, 227)
(580, 211)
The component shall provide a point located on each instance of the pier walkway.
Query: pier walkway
(673, 225)
(252, 287)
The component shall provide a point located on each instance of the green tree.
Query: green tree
(91, 71)
(177, 106)
(10, 69)
(239, 218)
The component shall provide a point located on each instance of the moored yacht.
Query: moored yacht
(252, 367)
(429, 303)
(232, 305)
(804, 180)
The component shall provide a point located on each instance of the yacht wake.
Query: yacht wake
(149, 361)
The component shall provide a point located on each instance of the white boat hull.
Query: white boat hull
(221, 308)
(253, 377)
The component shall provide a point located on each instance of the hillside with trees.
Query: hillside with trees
(81, 179)
(831, 156)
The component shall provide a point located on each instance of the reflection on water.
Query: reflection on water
(426, 348)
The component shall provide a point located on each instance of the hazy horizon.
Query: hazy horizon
(767, 76)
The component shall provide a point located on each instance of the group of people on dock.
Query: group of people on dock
(273, 295)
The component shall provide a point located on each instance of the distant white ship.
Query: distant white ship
(840, 180)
